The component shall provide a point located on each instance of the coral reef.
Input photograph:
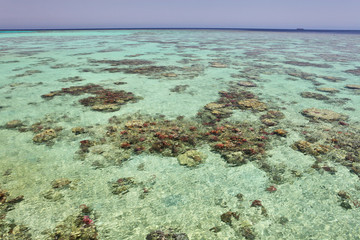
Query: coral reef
(332, 79)
(14, 124)
(191, 158)
(45, 130)
(347, 201)
(272, 118)
(353, 86)
(179, 88)
(323, 114)
(310, 148)
(308, 64)
(328, 89)
(303, 75)
(58, 189)
(316, 96)
(7, 203)
(168, 234)
(129, 62)
(122, 185)
(104, 99)
(280, 132)
(355, 71)
(170, 74)
(253, 104)
(227, 217)
(217, 65)
(10, 230)
(78, 130)
(71, 79)
(166, 137)
(28, 73)
(45, 136)
(246, 84)
(147, 68)
(60, 183)
(235, 98)
(340, 144)
(79, 225)
(237, 143)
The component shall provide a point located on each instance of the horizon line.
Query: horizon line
(187, 28)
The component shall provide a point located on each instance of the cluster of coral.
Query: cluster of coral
(144, 67)
(104, 100)
(45, 130)
(236, 142)
(235, 98)
(79, 225)
(8, 229)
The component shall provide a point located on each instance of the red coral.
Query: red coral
(192, 128)
(87, 220)
(125, 145)
(219, 146)
(271, 189)
(256, 203)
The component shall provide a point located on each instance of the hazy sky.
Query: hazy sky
(316, 14)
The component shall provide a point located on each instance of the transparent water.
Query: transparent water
(317, 192)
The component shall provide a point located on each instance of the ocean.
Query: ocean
(179, 134)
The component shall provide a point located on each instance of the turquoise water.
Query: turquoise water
(151, 93)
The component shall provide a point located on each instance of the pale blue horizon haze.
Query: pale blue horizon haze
(309, 14)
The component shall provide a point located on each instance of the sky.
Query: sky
(308, 14)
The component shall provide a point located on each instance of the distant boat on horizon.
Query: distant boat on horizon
(300, 29)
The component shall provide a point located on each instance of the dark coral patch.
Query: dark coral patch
(104, 99)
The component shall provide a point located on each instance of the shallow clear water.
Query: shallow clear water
(173, 75)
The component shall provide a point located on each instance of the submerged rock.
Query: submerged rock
(355, 71)
(11, 231)
(60, 183)
(72, 79)
(14, 124)
(191, 158)
(353, 86)
(303, 75)
(78, 130)
(8, 229)
(218, 65)
(246, 84)
(168, 234)
(332, 79)
(105, 107)
(130, 62)
(170, 74)
(317, 96)
(227, 217)
(327, 89)
(179, 88)
(323, 114)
